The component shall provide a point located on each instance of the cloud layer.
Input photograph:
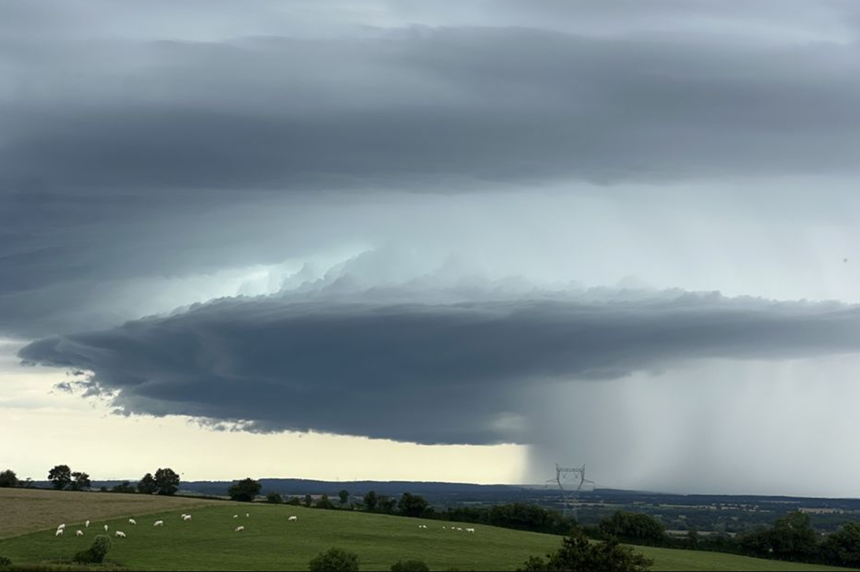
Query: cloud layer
(428, 373)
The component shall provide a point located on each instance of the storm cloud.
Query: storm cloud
(428, 373)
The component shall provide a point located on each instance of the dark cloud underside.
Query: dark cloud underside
(417, 372)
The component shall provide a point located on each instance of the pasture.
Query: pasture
(271, 542)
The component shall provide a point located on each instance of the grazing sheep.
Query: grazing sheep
(240, 528)
(235, 516)
(159, 523)
(459, 530)
(61, 527)
(87, 524)
(80, 533)
(247, 515)
(60, 532)
(132, 521)
(186, 518)
(472, 530)
(120, 534)
(106, 528)
(293, 519)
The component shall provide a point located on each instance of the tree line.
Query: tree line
(62, 478)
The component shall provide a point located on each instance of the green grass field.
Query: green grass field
(270, 542)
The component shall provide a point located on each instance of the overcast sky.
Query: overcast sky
(456, 240)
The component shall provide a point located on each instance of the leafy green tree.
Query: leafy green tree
(274, 498)
(412, 505)
(371, 501)
(633, 528)
(324, 503)
(335, 560)
(410, 566)
(578, 553)
(387, 505)
(8, 479)
(344, 497)
(80, 481)
(167, 482)
(60, 477)
(295, 501)
(791, 538)
(309, 501)
(842, 548)
(124, 487)
(147, 485)
(245, 490)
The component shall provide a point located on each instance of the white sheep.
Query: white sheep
(240, 528)
(80, 533)
(159, 523)
(235, 516)
(472, 530)
(247, 515)
(59, 532)
(293, 519)
(120, 534)
(132, 521)
(186, 518)
(61, 527)
(87, 524)
(106, 528)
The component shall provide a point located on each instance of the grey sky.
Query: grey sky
(576, 180)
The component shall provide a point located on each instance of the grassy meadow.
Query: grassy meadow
(271, 542)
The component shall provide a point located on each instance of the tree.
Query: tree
(412, 505)
(578, 553)
(147, 485)
(335, 560)
(60, 477)
(123, 487)
(387, 505)
(309, 501)
(371, 501)
(633, 528)
(80, 481)
(245, 490)
(410, 566)
(324, 503)
(791, 538)
(842, 548)
(167, 482)
(8, 479)
(344, 497)
(274, 498)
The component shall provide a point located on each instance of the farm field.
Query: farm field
(270, 542)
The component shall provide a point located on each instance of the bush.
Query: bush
(633, 528)
(578, 553)
(5, 562)
(410, 566)
(335, 560)
(274, 498)
(97, 552)
(324, 503)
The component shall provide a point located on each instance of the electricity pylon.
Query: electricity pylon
(570, 495)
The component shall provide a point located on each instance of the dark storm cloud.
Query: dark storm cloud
(450, 373)
(402, 108)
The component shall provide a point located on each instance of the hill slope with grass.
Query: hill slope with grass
(271, 542)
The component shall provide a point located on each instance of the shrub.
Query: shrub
(335, 560)
(274, 498)
(96, 553)
(5, 562)
(578, 553)
(410, 566)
